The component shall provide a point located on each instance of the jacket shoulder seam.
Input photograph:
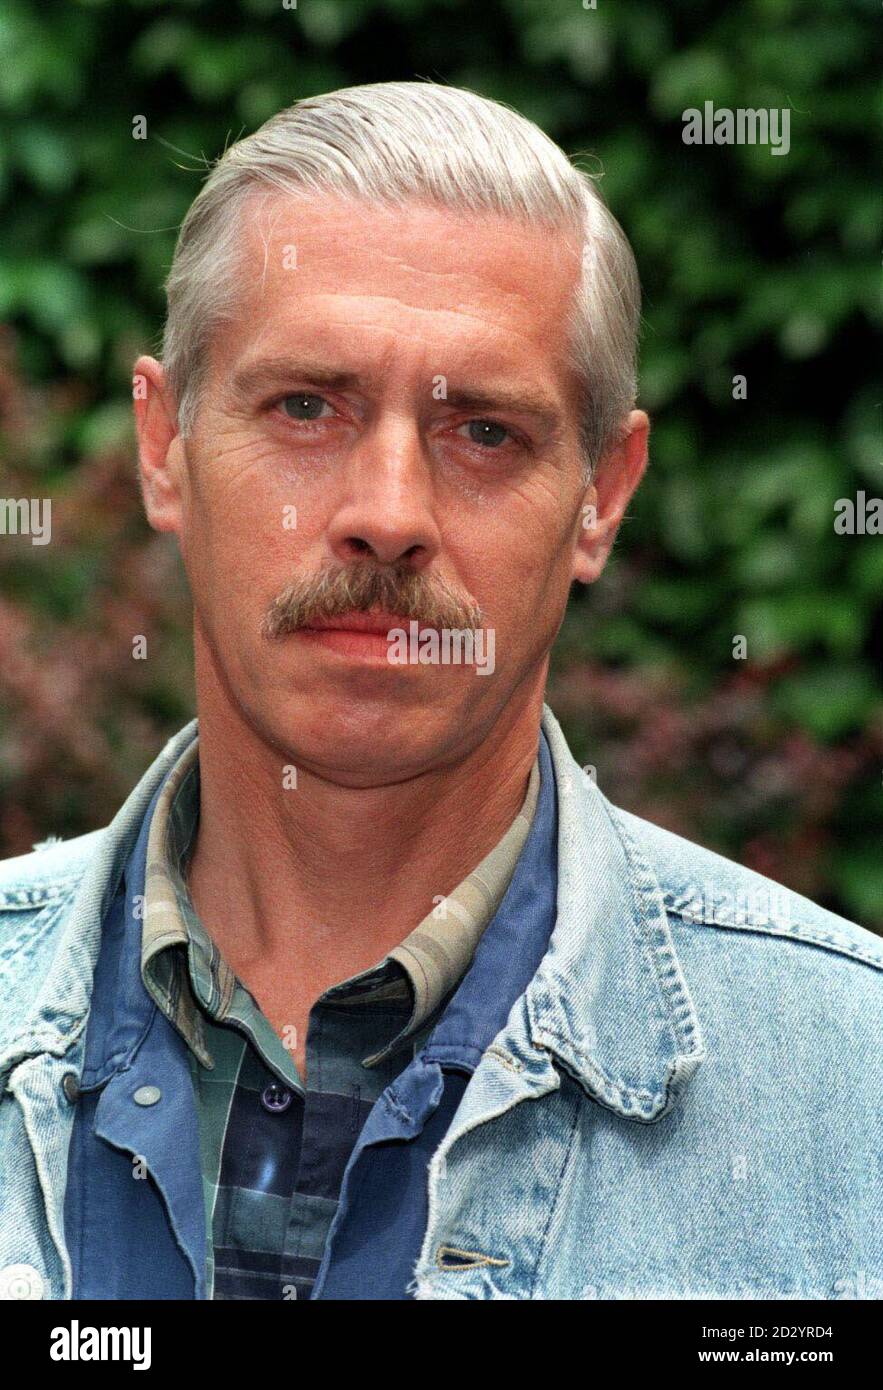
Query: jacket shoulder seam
(803, 932)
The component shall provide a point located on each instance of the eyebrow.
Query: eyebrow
(506, 398)
(272, 372)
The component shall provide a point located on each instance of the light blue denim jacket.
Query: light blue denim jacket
(700, 1049)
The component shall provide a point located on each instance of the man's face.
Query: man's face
(393, 395)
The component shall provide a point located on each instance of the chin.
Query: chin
(370, 755)
(362, 736)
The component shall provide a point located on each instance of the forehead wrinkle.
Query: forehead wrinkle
(463, 307)
(362, 318)
(498, 277)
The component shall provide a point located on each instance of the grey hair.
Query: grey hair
(387, 143)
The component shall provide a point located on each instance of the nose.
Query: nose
(387, 508)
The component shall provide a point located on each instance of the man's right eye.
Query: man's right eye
(304, 406)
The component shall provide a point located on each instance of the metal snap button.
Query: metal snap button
(70, 1085)
(276, 1098)
(21, 1282)
(147, 1095)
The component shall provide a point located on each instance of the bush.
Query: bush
(755, 266)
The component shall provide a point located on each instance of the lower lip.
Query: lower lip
(372, 647)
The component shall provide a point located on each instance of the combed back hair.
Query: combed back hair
(389, 143)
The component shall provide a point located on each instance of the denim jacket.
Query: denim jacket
(701, 1049)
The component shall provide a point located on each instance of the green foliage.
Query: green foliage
(752, 265)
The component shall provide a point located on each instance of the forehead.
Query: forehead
(416, 285)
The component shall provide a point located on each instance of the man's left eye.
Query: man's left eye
(486, 432)
(304, 406)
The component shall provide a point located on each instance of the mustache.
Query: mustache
(364, 585)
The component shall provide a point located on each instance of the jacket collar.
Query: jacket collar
(609, 999)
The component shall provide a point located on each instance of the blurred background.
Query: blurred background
(753, 265)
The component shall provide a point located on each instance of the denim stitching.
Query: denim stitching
(624, 1096)
(682, 1015)
(504, 1058)
(795, 931)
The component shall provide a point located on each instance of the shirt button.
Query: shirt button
(71, 1086)
(20, 1282)
(147, 1095)
(275, 1098)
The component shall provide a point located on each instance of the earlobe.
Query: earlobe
(606, 499)
(590, 540)
(159, 452)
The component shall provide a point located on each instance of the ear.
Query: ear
(605, 500)
(160, 451)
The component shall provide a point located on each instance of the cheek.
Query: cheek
(234, 571)
(523, 589)
(247, 518)
(520, 560)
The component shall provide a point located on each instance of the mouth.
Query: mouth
(362, 636)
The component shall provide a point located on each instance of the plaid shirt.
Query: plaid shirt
(273, 1150)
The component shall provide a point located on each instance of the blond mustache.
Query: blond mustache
(364, 585)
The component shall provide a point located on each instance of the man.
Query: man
(367, 991)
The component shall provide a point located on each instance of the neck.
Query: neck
(313, 885)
